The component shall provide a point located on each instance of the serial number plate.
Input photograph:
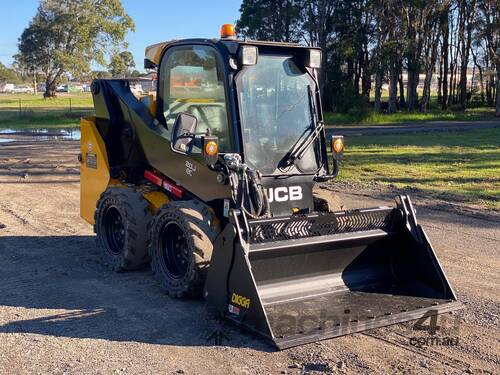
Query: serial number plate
(91, 160)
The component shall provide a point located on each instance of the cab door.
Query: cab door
(191, 79)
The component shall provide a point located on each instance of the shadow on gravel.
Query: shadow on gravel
(57, 286)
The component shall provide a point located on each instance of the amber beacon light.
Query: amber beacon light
(211, 148)
(227, 31)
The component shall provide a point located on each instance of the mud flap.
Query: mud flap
(305, 278)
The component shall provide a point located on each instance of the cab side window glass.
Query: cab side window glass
(193, 83)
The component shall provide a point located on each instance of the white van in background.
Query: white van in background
(7, 88)
(137, 89)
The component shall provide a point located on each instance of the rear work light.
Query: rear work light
(313, 58)
(248, 55)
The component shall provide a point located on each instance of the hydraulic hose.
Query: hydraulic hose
(247, 190)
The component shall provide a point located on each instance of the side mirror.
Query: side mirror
(183, 133)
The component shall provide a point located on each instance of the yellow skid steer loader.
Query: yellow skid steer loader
(210, 180)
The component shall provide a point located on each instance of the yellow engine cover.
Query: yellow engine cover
(94, 168)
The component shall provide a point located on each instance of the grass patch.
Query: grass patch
(62, 100)
(27, 111)
(474, 114)
(46, 122)
(460, 165)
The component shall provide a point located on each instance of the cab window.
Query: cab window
(193, 82)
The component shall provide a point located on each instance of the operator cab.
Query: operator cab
(257, 100)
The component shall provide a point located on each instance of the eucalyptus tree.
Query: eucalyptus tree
(67, 36)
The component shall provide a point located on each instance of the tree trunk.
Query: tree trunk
(497, 112)
(366, 80)
(378, 91)
(35, 91)
(468, 14)
(357, 76)
(429, 67)
(402, 101)
(50, 87)
(481, 78)
(481, 84)
(446, 35)
(440, 83)
(411, 95)
(489, 90)
(451, 96)
(393, 88)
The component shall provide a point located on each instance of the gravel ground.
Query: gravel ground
(62, 312)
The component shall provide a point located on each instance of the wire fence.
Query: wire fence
(27, 109)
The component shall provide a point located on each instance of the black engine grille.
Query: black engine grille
(319, 224)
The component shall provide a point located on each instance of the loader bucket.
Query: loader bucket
(304, 278)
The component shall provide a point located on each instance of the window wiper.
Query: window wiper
(303, 144)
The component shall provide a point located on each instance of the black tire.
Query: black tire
(181, 243)
(121, 222)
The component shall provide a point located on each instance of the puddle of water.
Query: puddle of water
(72, 134)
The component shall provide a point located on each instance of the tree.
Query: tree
(100, 74)
(8, 75)
(467, 14)
(121, 64)
(387, 40)
(275, 20)
(490, 31)
(66, 36)
(135, 73)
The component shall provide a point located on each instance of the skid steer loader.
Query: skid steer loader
(210, 180)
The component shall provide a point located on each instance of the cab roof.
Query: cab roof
(154, 52)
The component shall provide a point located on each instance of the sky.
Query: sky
(155, 21)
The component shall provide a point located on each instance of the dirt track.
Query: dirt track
(61, 311)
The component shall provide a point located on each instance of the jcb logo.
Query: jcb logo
(240, 300)
(283, 194)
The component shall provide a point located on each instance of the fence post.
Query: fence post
(69, 105)
(20, 108)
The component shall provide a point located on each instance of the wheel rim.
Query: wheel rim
(174, 250)
(114, 230)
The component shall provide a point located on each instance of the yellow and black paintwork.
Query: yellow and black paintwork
(94, 168)
(95, 175)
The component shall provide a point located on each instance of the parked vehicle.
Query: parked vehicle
(137, 89)
(23, 90)
(62, 88)
(7, 88)
(75, 87)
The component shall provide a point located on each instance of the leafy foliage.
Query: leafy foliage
(121, 64)
(8, 75)
(382, 39)
(66, 36)
(270, 20)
